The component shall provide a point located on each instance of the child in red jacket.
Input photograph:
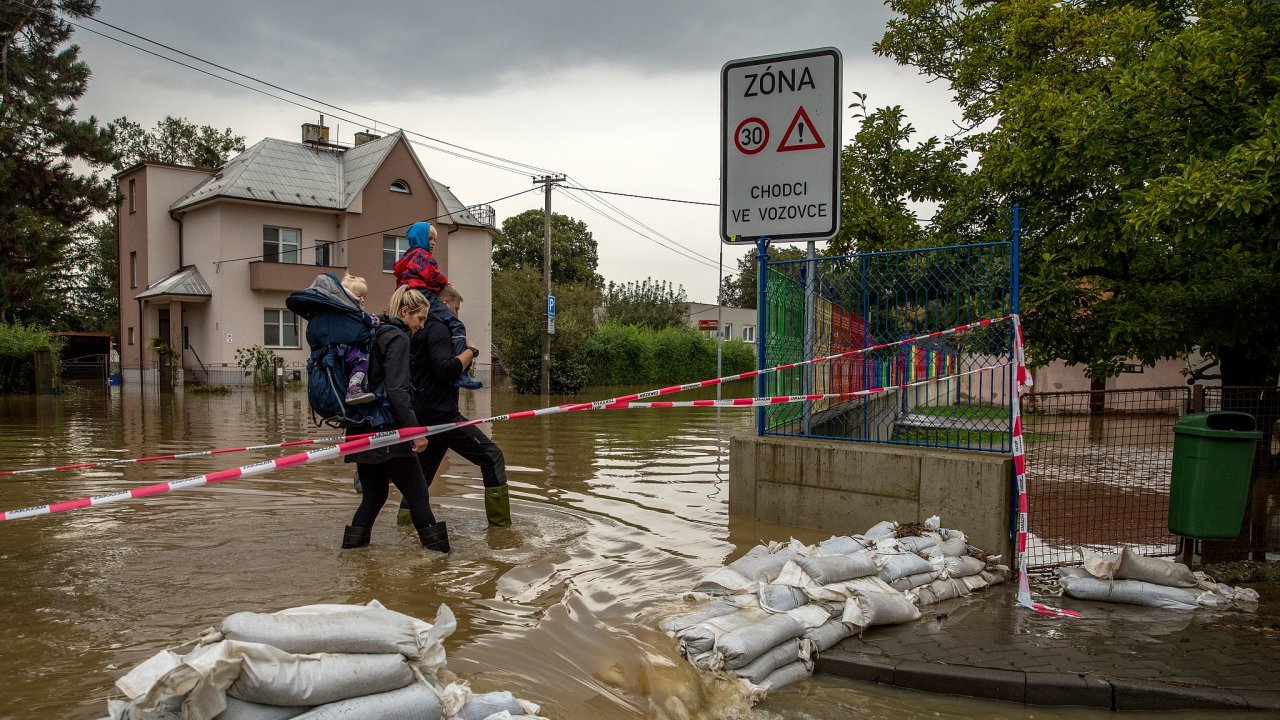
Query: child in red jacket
(419, 269)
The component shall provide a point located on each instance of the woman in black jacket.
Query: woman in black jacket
(378, 468)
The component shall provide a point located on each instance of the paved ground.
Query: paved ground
(1122, 657)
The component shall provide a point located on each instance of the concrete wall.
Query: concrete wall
(470, 270)
(846, 487)
(1057, 376)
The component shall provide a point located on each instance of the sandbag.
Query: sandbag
(879, 609)
(761, 568)
(480, 707)
(780, 598)
(358, 629)
(838, 568)
(916, 543)
(958, 567)
(757, 670)
(741, 646)
(903, 584)
(723, 581)
(787, 675)
(842, 545)
(893, 567)
(884, 529)
(1153, 570)
(319, 679)
(238, 709)
(413, 702)
(951, 547)
(1131, 592)
(1100, 565)
(680, 622)
(701, 638)
(939, 590)
(826, 635)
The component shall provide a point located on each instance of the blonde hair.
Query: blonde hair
(355, 284)
(407, 298)
(449, 294)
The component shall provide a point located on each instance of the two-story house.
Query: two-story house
(207, 257)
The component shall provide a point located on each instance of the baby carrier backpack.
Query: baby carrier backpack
(334, 322)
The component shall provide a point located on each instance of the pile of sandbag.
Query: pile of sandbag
(318, 662)
(766, 616)
(1134, 579)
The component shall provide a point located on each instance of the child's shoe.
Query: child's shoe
(466, 381)
(356, 394)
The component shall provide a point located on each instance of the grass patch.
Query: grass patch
(965, 412)
(210, 389)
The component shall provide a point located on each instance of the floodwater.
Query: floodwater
(617, 514)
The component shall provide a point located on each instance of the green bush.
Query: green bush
(18, 344)
(629, 355)
(519, 317)
(210, 389)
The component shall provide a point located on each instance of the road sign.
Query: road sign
(551, 306)
(780, 147)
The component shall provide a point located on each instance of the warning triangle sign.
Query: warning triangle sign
(801, 135)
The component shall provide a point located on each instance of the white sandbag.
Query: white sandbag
(787, 675)
(320, 678)
(842, 545)
(903, 584)
(741, 646)
(884, 529)
(1131, 592)
(357, 630)
(781, 598)
(1134, 566)
(996, 574)
(838, 568)
(917, 543)
(838, 592)
(480, 707)
(939, 590)
(826, 635)
(1100, 565)
(761, 568)
(413, 702)
(976, 582)
(893, 567)
(757, 670)
(951, 547)
(701, 638)
(958, 567)
(724, 581)
(810, 616)
(1242, 598)
(238, 709)
(715, 609)
(879, 609)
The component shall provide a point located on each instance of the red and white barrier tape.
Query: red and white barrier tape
(543, 411)
(1023, 380)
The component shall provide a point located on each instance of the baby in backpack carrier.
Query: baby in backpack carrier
(356, 358)
(419, 270)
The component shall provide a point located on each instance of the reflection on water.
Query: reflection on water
(617, 513)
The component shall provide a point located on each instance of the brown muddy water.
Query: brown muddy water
(617, 514)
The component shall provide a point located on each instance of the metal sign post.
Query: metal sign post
(780, 147)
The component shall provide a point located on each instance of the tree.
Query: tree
(740, 290)
(176, 141)
(518, 323)
(1143, 139)
(574, 254)
(649, 303)
(43, 198)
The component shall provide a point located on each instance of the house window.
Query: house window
(280, 244)
(400, 186)
(748, 333)
(133, 194)
(130, 336)
(393, 248)
(279, 328)
(133, 269)
(324, 253)
(728, 331)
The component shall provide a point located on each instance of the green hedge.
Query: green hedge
(629, 355)
(18, 344)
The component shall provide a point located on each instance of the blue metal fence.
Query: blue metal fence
(827, 305)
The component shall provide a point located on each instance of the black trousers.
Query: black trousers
(469, 442)
(406, 473)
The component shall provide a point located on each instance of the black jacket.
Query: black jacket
(389, 367)
(434, 368)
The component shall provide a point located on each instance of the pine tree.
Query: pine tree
(43, 198)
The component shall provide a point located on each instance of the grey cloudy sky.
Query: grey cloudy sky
(620, 96)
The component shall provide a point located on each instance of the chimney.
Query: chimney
(364, 137)
(315, 134)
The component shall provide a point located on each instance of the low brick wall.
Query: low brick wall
(846, 487)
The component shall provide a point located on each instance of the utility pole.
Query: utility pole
(547, 182)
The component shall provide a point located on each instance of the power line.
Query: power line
(649, 197)
(636, 220)
(677, 250)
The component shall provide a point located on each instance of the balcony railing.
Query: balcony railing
(482, 213)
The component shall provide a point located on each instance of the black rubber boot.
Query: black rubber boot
(354, 537)
(434, 537)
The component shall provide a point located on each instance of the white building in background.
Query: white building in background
(735, 323)
(207, 257)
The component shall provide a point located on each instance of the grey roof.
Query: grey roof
(185, 281)
(294, 173)
(460, 214)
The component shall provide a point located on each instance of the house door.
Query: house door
(162, 325)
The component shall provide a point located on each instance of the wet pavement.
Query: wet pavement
(1117, 657)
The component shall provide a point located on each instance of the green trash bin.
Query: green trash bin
(1212, 461)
